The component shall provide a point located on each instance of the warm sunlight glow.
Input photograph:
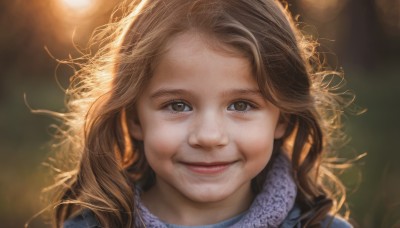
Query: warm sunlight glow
(76, 18)
(389, 13)
(78, 4)
(322, 10)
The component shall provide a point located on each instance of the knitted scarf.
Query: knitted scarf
(269, 208)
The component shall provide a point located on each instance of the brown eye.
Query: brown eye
(240, 106)
(180, 107)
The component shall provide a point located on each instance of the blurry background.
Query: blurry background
(364, 36)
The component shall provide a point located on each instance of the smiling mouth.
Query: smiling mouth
(207, 168)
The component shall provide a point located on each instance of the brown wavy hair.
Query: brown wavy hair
(101, 162)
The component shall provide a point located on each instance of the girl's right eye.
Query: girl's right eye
(179, 106)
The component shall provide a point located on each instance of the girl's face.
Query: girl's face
(206, 128)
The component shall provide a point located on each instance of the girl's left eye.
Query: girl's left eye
(240, 106)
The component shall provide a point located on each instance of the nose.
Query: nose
(208, 132)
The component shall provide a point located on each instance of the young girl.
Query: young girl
(203, 113)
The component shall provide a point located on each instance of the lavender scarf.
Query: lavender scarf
(269, 208)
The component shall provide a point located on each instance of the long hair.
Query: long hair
(105, 162)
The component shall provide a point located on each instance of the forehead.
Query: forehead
(182, 42)
(193, 49)
(189, 60)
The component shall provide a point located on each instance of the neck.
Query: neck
(174, 208)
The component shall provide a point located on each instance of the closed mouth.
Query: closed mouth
(207, 167)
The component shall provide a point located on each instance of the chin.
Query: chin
(209, 195)
(208, 198)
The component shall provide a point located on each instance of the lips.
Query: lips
(207, 168)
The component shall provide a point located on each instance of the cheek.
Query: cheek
(257, 136)
(256, 145)
(162, 140)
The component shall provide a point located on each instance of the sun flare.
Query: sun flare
(78, 4)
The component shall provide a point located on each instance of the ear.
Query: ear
(281, 126)
(136, 130)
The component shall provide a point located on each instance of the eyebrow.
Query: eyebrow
(179, 92)
(167, 92)
(243, 92)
